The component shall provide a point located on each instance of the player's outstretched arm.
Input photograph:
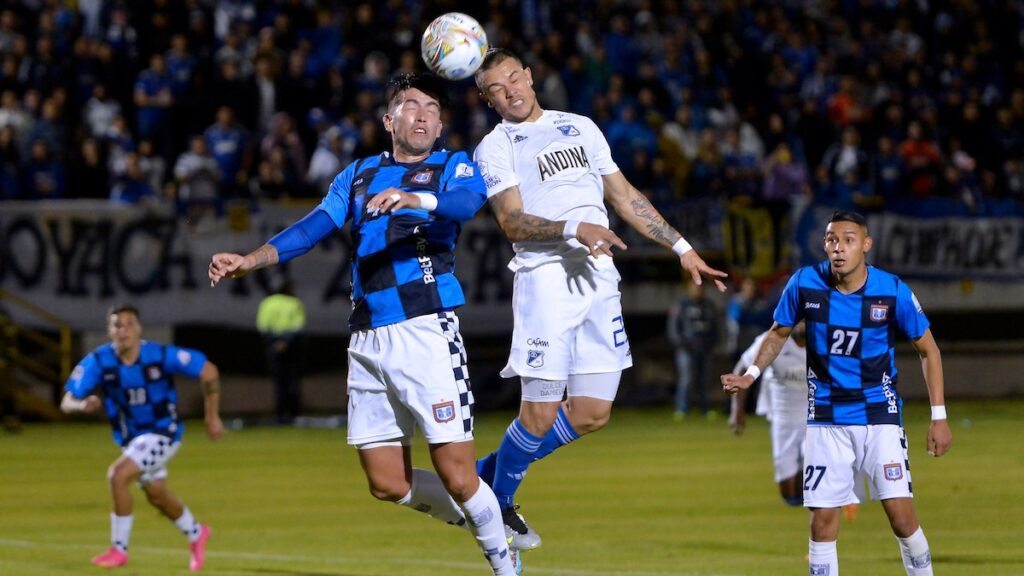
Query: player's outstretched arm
(228, 265)
(939, 436)
(519, 226)
(639, 213)
(772, 344)
(209, 379)
(69, 404)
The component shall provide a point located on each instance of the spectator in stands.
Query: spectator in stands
(131, 185)
(43, 175)
(922, 158)
(100, 111)
(228, 144)
(280, 319)
(90, 177)
(198, 179)
(154, 99)
(845, 156)
(326, 162)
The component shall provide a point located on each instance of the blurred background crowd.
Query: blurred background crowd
(855, 103)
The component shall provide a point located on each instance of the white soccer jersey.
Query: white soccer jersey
(557, 162)
(784, 382)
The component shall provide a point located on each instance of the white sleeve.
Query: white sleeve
(602, 152)
(493, 156)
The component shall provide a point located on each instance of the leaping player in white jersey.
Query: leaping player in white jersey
(548, 175)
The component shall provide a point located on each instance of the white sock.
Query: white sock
(188, 525)
(485, 521)
(120, 531)
(428, 495)
(824, 559)
(917, 557)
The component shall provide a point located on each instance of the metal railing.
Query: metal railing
(52, 362)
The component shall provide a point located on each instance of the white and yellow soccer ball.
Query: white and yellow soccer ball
(453, 46)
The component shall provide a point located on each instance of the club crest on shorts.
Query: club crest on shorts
(423, 177)
(444, 412)
(534, 358)
(879, 312)
(893, 472)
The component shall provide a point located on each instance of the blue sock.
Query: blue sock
(560, 434)
(485, 467)
(514, 455)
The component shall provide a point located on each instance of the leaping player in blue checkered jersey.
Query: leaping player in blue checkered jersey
(854, 412)
(136, 378)
(406, 359)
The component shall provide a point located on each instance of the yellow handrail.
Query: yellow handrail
(63, 344)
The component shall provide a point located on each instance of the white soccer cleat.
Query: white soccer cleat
(521, 536)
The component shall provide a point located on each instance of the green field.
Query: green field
(644, 497)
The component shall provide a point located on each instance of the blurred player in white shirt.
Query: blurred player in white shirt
(782, 400)
(548, 175)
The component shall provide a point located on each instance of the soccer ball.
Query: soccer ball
(453, 46)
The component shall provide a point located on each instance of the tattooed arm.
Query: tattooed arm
(639, 213)
(519, 226)
(229, 265)
(772, 344)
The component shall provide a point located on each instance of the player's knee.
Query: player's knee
(824, 524)
(591, 422)
(389, 491)
(119, 475)
(156, 499)
(904, 527)
(461, 486)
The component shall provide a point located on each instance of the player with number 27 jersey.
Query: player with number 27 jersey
(851, 361)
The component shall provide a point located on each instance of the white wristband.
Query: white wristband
(681, 247)
(754, 371)
(569, 232)
(428, 202)
(938, 412)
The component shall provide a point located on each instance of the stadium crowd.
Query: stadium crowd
(856, 103)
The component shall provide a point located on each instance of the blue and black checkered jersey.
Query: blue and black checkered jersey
(139, 398)
(851, 360)
(404, 263)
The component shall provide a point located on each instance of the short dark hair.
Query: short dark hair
(119, 308)
(427, 83)
(848, 216)
(492, 58)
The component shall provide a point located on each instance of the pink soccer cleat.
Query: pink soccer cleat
(198, 549)
(112, 558)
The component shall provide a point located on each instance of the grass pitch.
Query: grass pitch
(645, 497)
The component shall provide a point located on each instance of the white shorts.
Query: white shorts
(835, 457)
(787, 447)
(568, 320)
(151, 452)
(408, 374)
